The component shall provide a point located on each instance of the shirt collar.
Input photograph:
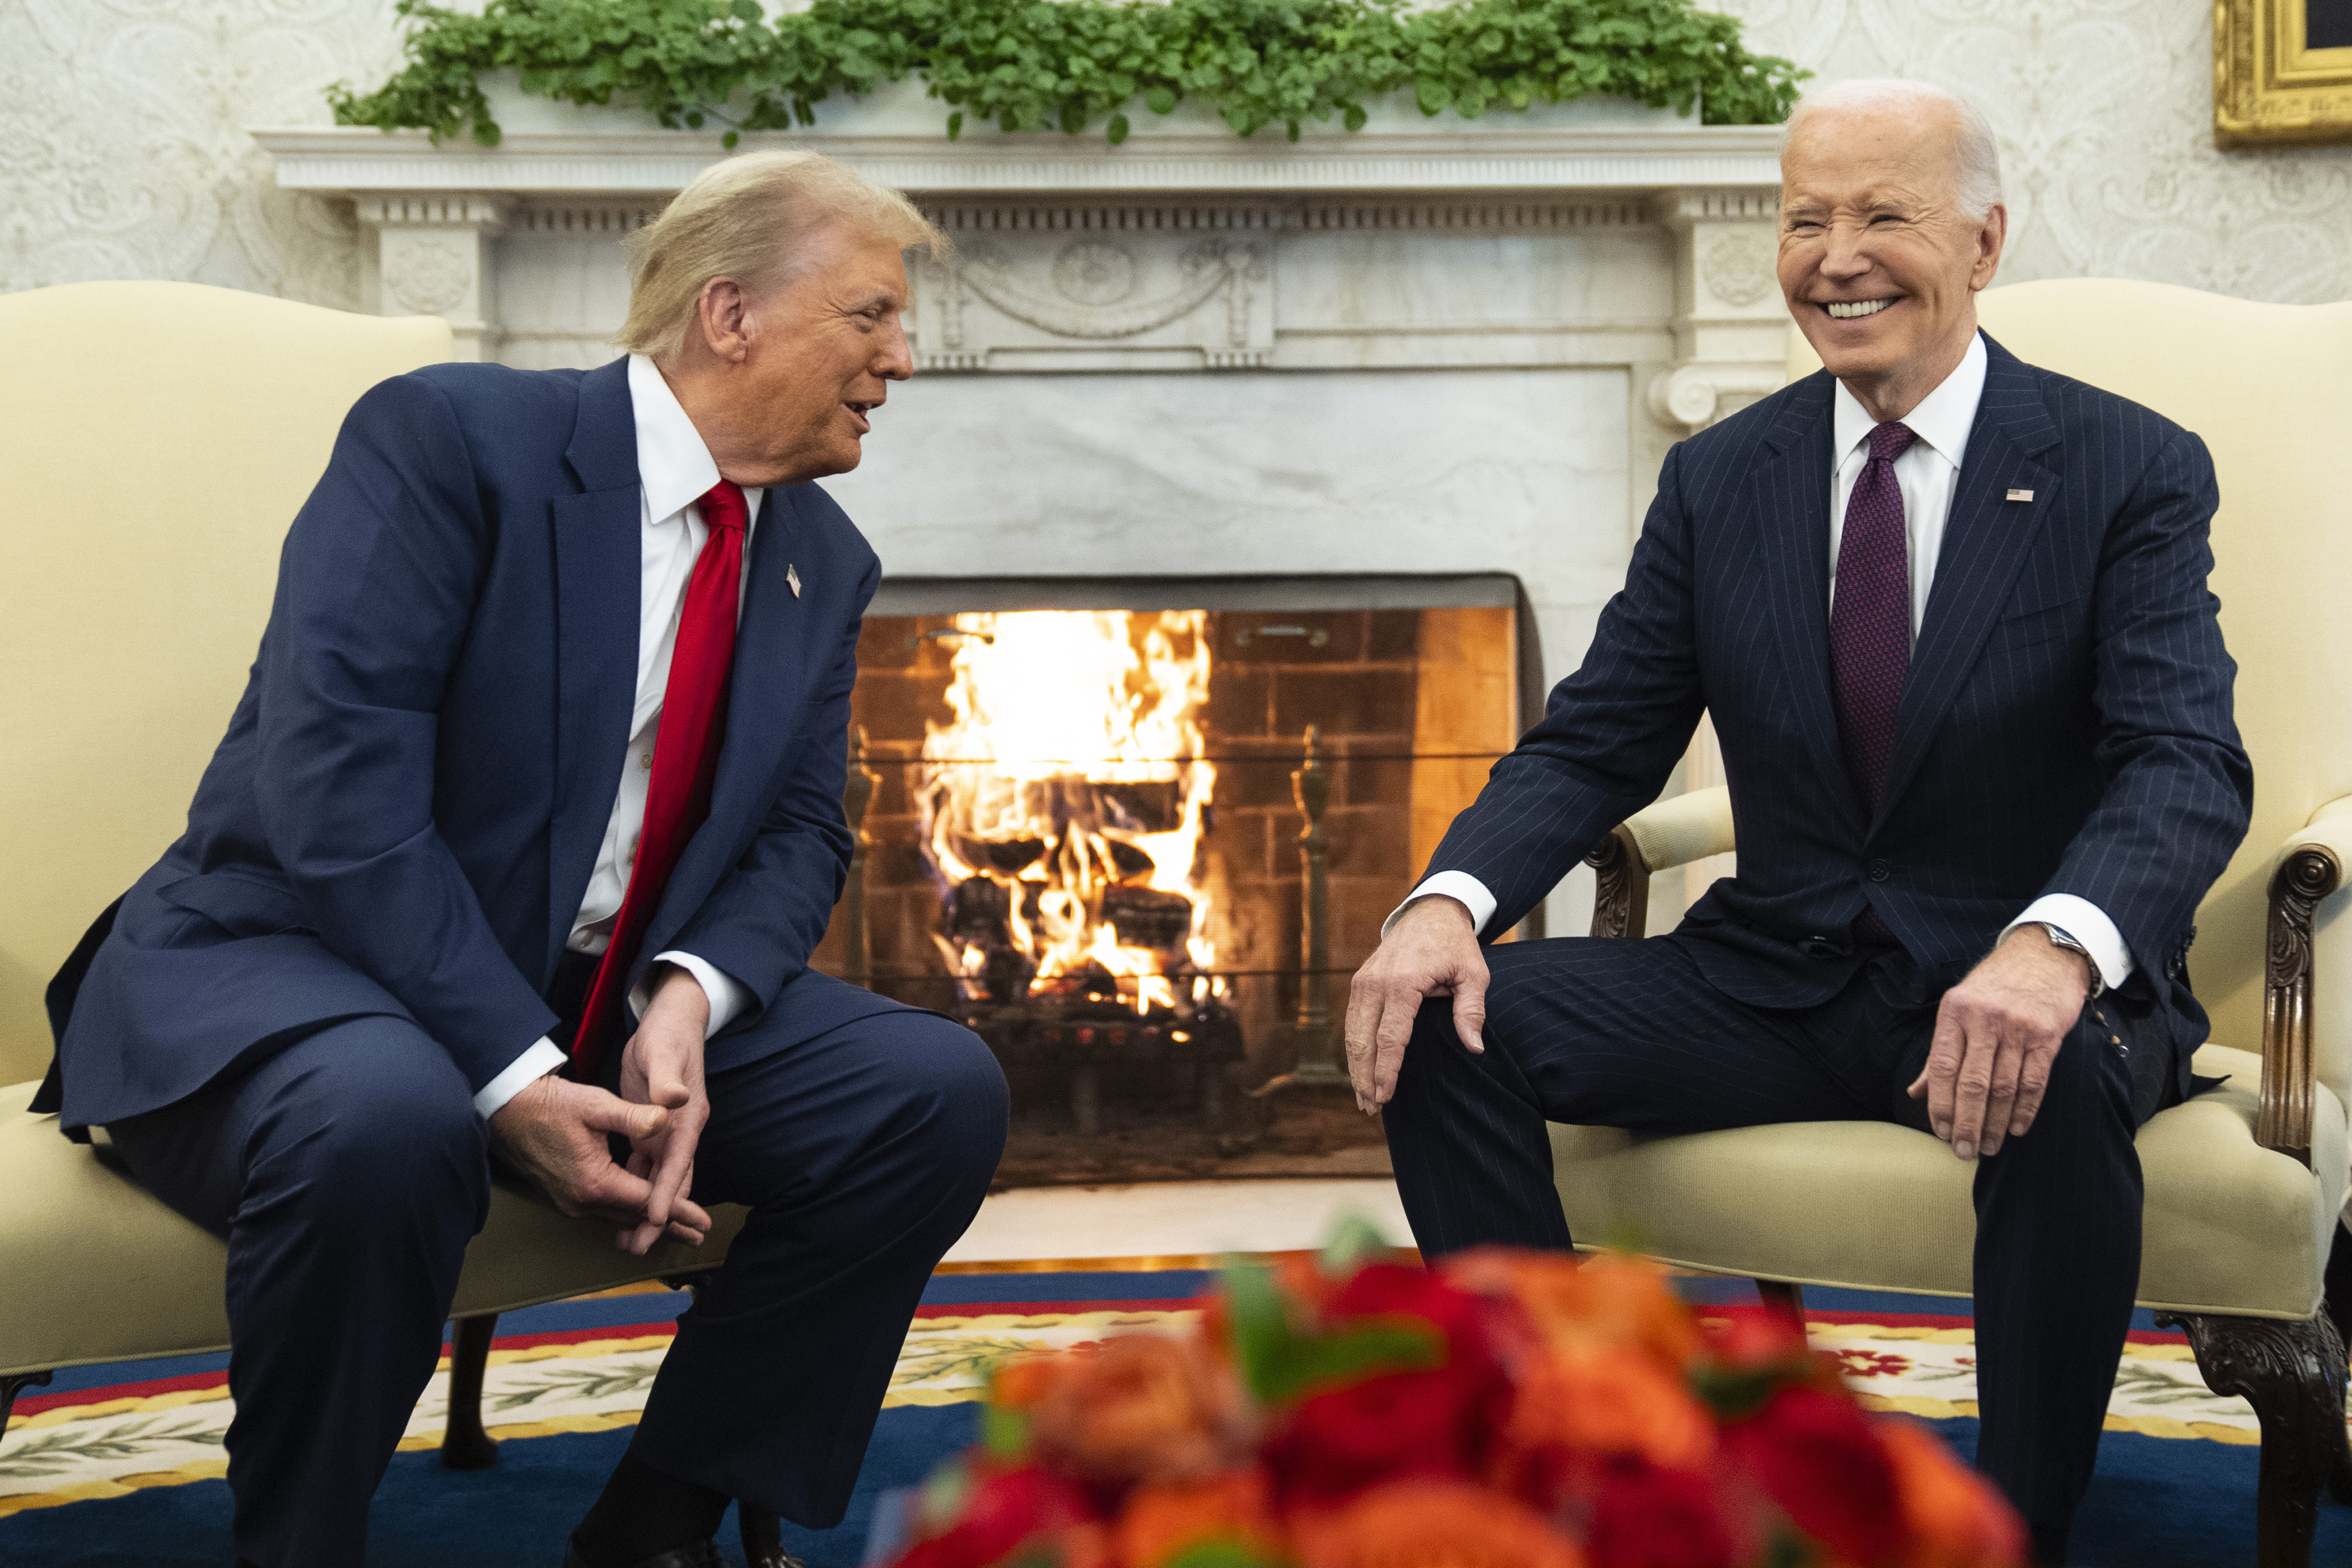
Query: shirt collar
(1943, 418)
(673, 465)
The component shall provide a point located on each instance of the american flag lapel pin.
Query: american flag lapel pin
(2013, 495)
(793, 572)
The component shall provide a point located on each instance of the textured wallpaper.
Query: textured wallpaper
(2104, 113)
(124, 152)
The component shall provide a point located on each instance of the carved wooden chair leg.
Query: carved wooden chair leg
(2293, 1374)
(14, 1384)
(464, 1444)
(1783, 1297)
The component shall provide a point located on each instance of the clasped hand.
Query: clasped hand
(555, 1131)
(1997, 1032)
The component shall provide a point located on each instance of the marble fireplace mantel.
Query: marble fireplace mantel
(1429, 347)
(457, 228)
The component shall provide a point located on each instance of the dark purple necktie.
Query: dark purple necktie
(1870, 625)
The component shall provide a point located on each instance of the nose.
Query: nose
(896, 360)
(1843, 256)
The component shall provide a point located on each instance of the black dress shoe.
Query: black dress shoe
(763, 1545)
(693, 1555)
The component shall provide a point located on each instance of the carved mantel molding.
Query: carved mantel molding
(1179, 251)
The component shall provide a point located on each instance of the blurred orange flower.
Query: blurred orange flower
(1607, 1302)
(1955, 1518)
(1141, 1407)
(1589, 1402)
(1432, 1524)
(1160, 1522)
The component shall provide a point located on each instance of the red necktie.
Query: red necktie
(686, 758)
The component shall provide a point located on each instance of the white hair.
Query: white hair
(1979, 158)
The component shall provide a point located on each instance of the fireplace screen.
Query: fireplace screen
(1140, 848)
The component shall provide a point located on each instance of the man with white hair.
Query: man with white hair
(519, 844)
(1949, 614)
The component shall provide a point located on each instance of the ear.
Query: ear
(722, 314)
(1990, 237)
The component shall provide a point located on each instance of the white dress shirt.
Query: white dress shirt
(674, 469)
(1928, 473)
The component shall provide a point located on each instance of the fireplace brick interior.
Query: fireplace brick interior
(1410, 706)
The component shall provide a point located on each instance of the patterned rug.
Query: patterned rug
(119, 1465)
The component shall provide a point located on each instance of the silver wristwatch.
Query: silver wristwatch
(2060, 937)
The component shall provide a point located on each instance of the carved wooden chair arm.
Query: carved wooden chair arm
(1666, 834)
(2311, 866)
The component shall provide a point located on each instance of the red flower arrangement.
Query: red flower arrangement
(1502, 1410)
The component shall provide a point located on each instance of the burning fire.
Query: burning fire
(1065, 805)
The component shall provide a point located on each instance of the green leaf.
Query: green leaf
(1277, 1364)
(1117, 130)
(728, 141)
(1355, 1240)
(1254, 62)
(955, 125)
(1006, 1433)
(1219, 1554)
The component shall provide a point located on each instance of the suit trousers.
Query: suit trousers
(1621, 1033)
(348, 1170)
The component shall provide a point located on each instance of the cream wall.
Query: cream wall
(123, 152)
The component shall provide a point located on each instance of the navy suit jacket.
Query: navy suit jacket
(407, 806)
(2066, 728)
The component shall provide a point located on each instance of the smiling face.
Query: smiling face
(1880, 261)
(782, 384)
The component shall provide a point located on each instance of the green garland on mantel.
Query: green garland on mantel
(1067, 64)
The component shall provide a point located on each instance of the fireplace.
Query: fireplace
(1137, 833)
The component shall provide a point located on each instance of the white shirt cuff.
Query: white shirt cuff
(728, 996)
(2086, 924)
(1459, 885)
(543, 1058)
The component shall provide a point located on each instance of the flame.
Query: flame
(1074, 766)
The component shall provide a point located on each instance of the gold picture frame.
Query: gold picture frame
(2282, 73)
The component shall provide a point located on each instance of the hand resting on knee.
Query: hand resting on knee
(1432, 950)
(1997, 1033)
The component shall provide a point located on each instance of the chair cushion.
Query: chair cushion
(2231, 1226)
(99, 1269)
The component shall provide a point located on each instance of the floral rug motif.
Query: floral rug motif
(1926, 1367)
(113, 1440)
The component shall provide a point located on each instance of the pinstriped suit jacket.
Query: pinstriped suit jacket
(2066, 726)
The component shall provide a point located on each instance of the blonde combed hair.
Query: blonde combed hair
(749, 218)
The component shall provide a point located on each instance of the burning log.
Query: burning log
(1144, 917)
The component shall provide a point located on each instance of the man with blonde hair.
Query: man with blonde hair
(519, 844)
(1949, 614)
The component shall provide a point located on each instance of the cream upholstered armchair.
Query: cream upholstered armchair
(157, 439)
(2244, 1183)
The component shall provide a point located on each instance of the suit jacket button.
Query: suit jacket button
(1816, 947)
(1879, 870)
